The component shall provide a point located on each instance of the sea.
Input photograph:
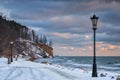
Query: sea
(107, 63)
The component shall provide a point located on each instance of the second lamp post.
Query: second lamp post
(11, 55)
(94, 20)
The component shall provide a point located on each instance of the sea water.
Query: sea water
(111, 64)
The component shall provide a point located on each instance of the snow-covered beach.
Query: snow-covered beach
(26, 70)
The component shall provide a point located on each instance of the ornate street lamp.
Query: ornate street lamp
(11, 58)
(94, 20)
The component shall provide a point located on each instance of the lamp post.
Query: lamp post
(94, 20)
(8, 58)
(11, 58)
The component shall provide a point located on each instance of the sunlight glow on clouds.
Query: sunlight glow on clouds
(65, 19)
(87, 36)
(65, 35)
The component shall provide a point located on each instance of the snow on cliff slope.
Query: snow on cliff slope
(31, 50)
(25, 70)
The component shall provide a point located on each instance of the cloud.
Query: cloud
(102, 50)
(41, 9)
(109, 34)
(70, 39)
(65, 35)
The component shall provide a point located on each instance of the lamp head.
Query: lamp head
(94, 20)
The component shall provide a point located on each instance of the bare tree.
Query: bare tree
(50, 43)
(44, 39)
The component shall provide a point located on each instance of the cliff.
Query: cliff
(25, 41)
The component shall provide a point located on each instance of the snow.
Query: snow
(26, 70)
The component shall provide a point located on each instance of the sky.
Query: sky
(67, 23)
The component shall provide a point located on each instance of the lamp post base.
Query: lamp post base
(94, 71)
(9, 61)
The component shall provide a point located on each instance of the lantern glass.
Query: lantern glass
(11, 42)
(94, 20)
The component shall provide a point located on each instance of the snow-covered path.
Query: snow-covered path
(33, 73)
(25, 70)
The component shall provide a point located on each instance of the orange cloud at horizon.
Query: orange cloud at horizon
(102, 50)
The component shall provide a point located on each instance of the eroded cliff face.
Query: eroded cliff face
(31, 50)
(47, 49)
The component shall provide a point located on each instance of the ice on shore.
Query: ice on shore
(26, 70)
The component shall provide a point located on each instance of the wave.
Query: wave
(108, 68)
(85, 65)
(117, 64)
